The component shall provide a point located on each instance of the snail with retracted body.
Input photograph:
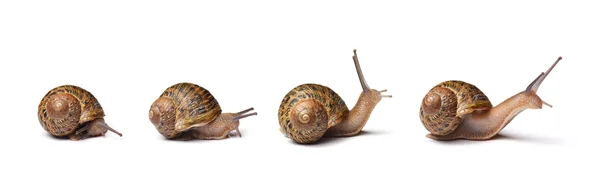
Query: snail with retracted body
(71, 111)
(310, 111)
(458, 110)
(188, 111)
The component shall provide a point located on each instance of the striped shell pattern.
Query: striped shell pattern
(446, 104)
(308, 110)
(188, 105)
(65, 108)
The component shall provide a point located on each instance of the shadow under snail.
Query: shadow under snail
(310, 111)
(72, 111)
(188, 111)
(458, 110)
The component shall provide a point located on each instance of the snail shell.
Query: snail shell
(66, 108)
(446, 104)
(181, 107)
(308, 110)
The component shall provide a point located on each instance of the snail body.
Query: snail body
(459, 110)
(188, 111)
(311, 111)
(71, 111)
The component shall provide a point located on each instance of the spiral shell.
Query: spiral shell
(182, 106)
(64, 108)
(446, 104)
(308, 110)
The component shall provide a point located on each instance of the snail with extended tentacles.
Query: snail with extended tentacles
(72, 111)
(188, 111)
(458, 110)
(310, 111)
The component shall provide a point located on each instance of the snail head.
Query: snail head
(242, 115)
(231, 121)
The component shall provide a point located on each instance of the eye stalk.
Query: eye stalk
(242, 114)
(535, 85)
(382, 91)
(361, 77)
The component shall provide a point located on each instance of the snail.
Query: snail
(71, 111)
(311, 111)
(458, 110)
(188, 111)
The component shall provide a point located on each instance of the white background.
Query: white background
(252, 53)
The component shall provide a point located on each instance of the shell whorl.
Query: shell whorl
(446, 104)
(162, 115)
(64, 108)
(182, 106)
(308, 110)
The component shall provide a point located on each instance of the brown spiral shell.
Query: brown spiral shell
(184, 104)
(64, 108)
(444, 106)
(308, 110)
